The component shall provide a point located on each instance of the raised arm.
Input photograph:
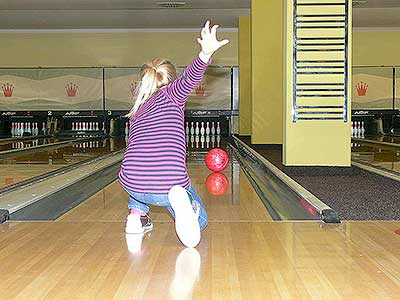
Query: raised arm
(180, 89)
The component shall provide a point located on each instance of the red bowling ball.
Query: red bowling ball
(217, 184)
(217, 159)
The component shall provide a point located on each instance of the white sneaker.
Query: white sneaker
(186, 220)
(138, 224)
(133, 224)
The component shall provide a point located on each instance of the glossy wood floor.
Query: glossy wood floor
(384, 157)
(242, 255)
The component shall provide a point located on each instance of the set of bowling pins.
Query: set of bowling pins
(18, 129)
(22, 145)
(202, 134)
(357, 129)
(89, 144)
(85, 126)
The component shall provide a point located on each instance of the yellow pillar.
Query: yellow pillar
(318, 83)
(244, 75)
(267, 71)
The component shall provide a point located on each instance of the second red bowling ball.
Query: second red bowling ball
(217, 159)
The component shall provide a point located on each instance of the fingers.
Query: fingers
(223, 42)
(203, 33)
(207, 26)
(214, 30)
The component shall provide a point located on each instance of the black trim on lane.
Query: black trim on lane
(4, 215)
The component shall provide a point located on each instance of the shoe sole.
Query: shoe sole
(186, 222)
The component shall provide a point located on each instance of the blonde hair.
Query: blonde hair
(154, 75)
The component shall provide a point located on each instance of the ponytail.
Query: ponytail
(154, 75)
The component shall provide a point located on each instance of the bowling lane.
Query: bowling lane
(24, 166)
(238, 203)
(380, 139)
(381, 156)
(27, 143)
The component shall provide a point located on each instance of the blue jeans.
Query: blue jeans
(140, 201)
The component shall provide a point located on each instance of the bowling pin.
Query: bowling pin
(192, 140)
(212, 128)
(97, 125)
(126, 128)
(192, 129)
(218, 129)
(187, 128)
(362, 129)
(207, 141)
(12, 129)
(90, 126)
(197, 128)
(187, 140)
(212, 141)
(208, 128)
(197, 141)
(202, 141)
(73, 126)
(352, 128)
(44, 128)
(218, 140)
(202, 130)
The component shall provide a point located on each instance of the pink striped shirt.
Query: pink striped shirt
(155, 157)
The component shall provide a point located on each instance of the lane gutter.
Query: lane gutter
(327, 214)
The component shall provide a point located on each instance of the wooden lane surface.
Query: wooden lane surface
(110, 204)
(239, 260)
(13, 173)
(242, 255)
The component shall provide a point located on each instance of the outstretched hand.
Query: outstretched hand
(208, 41)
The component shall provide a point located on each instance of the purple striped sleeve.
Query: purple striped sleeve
(180, 89)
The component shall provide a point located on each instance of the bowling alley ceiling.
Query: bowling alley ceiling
(148, 14)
